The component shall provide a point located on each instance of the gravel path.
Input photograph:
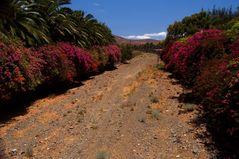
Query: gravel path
(129, 113)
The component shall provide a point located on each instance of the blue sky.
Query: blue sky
(140, 19)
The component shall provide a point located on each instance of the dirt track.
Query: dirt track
(129, 113)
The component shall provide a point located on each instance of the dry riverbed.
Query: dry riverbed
(129, 113)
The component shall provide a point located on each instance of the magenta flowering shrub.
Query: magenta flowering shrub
(209, 62)
(20, 70)
(114, 53)
(234, 48)
(213, 77)
(218, 87)
(65, 62)
(185, 58)
(57, 66)
(175, 55)
(81, 59)
(24, 69)
(85, 60)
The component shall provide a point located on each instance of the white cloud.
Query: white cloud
(158, 36)
(96, 4)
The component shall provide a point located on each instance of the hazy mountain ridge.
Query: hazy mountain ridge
(121, 40)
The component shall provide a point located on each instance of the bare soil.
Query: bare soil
(129, 113)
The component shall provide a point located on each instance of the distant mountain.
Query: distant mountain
(121, 40)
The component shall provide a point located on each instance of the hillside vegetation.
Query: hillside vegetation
(202, 51)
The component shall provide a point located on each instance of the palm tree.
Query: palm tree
(91, 32)
(58, 18)
(43, 21)
(62, 28)
(18, 18)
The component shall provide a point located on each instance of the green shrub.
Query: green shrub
(126, 52)
(233, 32)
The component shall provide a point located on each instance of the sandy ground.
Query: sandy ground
(129, 113)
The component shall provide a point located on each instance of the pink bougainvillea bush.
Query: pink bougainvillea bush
(82, 59)
(57, 66)
(209, 63)
(114, 53)
(234, 48)
(24, 69)
(20, 70)
(185, 58)
(218, 88)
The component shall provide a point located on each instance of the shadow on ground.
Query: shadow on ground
(19, 103)
(216, 138)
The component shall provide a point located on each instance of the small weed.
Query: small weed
(154, 99)
(187, 108)
(160, 66)
(155, 114)
(29, 151)
(81, 114)
(102, 155)
(142, 119)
